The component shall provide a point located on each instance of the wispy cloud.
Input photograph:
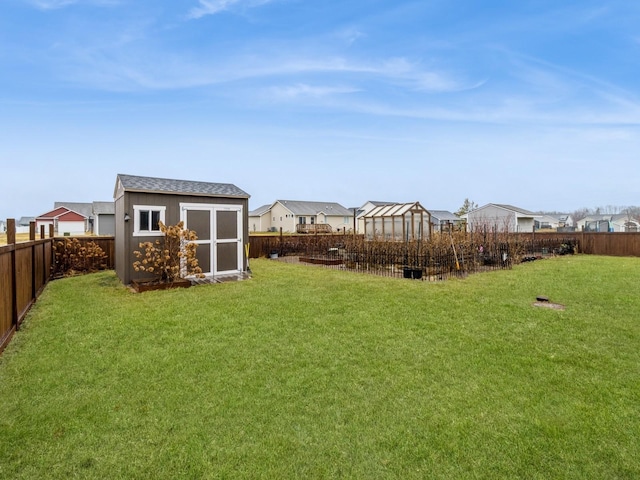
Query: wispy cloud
(304, 90)
(57, 4)
(211, 7)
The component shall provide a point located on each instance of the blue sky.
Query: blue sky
(532, 103)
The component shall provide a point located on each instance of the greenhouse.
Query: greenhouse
(398, 222)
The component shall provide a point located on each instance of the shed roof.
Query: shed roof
(134, 183)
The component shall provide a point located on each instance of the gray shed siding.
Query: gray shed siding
(126, 243)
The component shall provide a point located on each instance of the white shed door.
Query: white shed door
(219, 230)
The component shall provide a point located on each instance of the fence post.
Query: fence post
(32, 231)
(11, 231)
(11, 240)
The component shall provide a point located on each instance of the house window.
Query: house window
(302, 220)
(146, 220)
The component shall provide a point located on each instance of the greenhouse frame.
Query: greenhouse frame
(398, 222)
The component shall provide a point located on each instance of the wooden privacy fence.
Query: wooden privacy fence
(26, 268)
(619, 244)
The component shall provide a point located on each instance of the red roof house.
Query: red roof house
(64, 221)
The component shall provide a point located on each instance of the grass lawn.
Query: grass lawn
(20, 237)
(304, 372)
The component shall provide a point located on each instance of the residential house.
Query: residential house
(3, 226)
(301, 216)
(216, 212)
(260, 219)
(609, 223)
(557, 222)
(100, 215)
(501, 217)
(444, 221)
(23, 224)
(625, 223)
(85, 209)
(65, 221)
(103, 218)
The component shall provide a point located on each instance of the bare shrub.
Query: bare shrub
(172, 257)
(74, 257)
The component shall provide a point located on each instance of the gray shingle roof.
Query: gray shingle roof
(134, 183)
(313, 208)
(516, 209)
(444, 215)
(82, 208)
(104, 208)
(260, 210)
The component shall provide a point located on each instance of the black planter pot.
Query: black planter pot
(413, 273)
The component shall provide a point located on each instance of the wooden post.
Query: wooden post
(51, 231)
(32, 231)
(11, 231)
(41, 232)
(11, 239)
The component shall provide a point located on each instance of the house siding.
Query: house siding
(281, 217)
(503, 219)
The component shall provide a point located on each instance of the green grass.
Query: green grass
(304, 372)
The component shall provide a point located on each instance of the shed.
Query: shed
(217, 212)
(398, 222)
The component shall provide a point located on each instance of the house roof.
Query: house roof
(104, 208)
(82, 208)
(25, 221)
(299, 207)
(260, 210)
(134, 183)
(518, 210)
(63, 213)
(444, 215)
(598, 218)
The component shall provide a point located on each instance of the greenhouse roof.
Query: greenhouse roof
(396, 210)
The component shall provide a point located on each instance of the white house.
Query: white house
(259, 219)
(504, 218)
(64, 221)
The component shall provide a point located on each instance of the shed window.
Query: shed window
(146, 220)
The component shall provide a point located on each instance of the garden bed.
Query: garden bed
(322, 261)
